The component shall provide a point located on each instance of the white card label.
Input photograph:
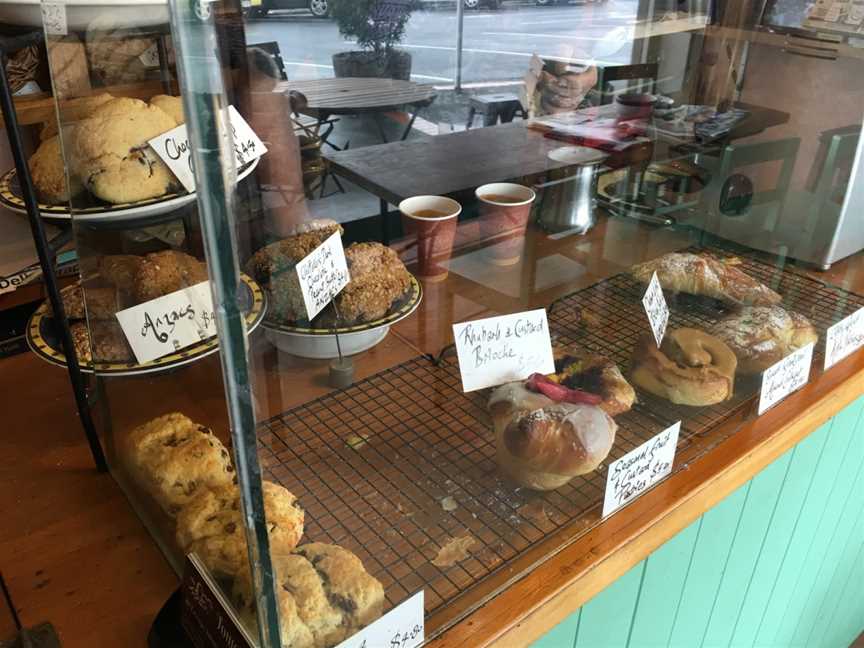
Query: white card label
(150, 56)
(781, 379)
(169, 323)
(844, 337)
(639, 469)
(502, 349)
(656, 308)
(54, 18)
(322, 274)
(174, 149)
(401, 627)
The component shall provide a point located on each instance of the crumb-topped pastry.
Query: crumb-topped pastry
(161, 273)
(325, 595)
(174, 458)
(104, 341)
(761, 336)
(700, 274)
(49, 173)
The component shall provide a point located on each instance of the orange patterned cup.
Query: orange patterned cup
(432, 220)
(504, 209)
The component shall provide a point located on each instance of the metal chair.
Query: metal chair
(608, 75)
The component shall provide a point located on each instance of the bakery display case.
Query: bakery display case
(326, 405)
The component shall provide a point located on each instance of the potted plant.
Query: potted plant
(377, 26)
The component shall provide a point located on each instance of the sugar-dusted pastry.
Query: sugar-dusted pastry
(211, 525)
(174, 458)
(761, 336)
(324, 595)
(691, 367)
(109, 151)
(49, 173)
(547, 434)
(576, 369)
(700, 274)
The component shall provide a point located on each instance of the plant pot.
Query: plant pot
(396, 64)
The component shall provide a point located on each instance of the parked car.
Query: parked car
(259, 8)
(477, 4)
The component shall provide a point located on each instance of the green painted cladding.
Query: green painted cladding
(779, 562)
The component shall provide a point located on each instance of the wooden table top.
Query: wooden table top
(356, 95)
(455, 162)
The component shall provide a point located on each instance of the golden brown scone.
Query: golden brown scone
(120, 270)
(49, 173)
(699, 274)
(160, 273)
(174, 458)
(595, 374)
(691, 367)
(109, 151)
(273, 267)
(171, 105)
(378, 279)
(101, 303)
(105, 342)
(325, 595)
(761, 336)
(216, 513)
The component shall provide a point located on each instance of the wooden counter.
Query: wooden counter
(98, 559)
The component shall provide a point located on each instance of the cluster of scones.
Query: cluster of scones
(550, 429)
(324, 593)
(107, 152)
(119, 281)
(378, 277)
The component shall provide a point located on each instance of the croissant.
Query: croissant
(703, 275)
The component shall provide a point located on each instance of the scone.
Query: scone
(121, 270)
(761, 336)
(49, 173)
(161, 273)
(211, 524)
(174, 458)
(171, 105)
(101, 303)
(325, 595)
(378, 278)
(109, 151)
(105, 342)
(73, 110)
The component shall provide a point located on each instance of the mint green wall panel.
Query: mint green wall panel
(665, 573)
(802, 467)
(819, 632)
(779, 562)
(827, 525)
(840, 437)
(719, 526)
(756, 516)
(606, 619)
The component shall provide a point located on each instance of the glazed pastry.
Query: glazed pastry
(215, 513)
(161, 273)
(597, 375)
(109, 151)
(325, 595)
(699, 274)
(171, 105)
(761, 336)
(542, 444)
(104, 341)
(49, 173)
(174, 458)
(690, 368)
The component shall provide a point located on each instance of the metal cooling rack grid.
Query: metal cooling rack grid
(373, 465)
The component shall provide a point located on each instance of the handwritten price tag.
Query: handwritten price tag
(843, 338)
(169, 323)
(502, 349)
(401, 627)
(781, 379)
(174, 149)
(656, 309)
(322, 274)
(639, 469)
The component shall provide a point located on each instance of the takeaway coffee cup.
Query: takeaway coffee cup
(504, 211)
(432, 220)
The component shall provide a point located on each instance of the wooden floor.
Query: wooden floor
(71, 549)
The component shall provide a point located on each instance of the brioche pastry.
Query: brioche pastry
(594, 374)
(691, 367)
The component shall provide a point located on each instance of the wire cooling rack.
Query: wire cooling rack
(400, 467)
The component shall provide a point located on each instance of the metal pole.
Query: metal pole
(460, 22)
(43, 249)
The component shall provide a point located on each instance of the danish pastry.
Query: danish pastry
(597, 375)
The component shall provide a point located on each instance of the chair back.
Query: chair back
(272, 48)
(643, 72)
